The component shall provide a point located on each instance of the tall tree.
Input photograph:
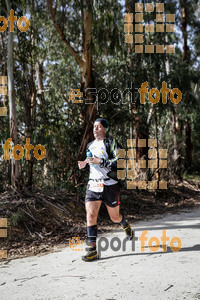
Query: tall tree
(85, 63)
(12, 106)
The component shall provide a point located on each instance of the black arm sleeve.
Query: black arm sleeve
(111, 162)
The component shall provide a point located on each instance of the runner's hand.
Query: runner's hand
(94, 161)
(82, 164)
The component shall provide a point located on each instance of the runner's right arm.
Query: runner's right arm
(82, 164)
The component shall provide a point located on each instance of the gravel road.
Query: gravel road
(131, 273)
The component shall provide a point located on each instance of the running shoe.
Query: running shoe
(129, 232)
(90, 255)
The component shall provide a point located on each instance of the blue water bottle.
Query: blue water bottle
(89, 154)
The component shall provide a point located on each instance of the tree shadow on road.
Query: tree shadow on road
(185, 249)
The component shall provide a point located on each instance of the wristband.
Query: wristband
(101, 162)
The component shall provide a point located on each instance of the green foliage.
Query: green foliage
(58, 124)
(17, 218)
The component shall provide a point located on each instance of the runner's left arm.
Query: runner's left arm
(111, 162)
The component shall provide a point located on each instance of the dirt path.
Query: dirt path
(117, 275)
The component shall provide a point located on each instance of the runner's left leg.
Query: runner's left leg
(114, 213)
(117, 217)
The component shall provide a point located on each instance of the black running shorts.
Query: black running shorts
(110, 195)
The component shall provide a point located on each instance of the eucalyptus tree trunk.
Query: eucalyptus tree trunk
(132, 108)
(184, 23)
(87, 73)
(188, 145)
(31, 103)
(177, 129)
(12, 106)
(85, 63)
(140, 129)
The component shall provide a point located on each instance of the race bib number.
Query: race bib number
(96, 186)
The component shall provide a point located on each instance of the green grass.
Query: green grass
(188, 176)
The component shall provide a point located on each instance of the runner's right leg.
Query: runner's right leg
(92, 210)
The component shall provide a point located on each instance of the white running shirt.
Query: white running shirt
(98, 149)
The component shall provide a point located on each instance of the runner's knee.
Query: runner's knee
(91, 216)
